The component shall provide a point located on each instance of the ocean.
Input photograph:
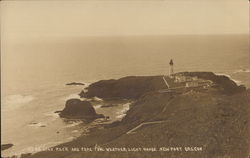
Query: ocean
(34, 74)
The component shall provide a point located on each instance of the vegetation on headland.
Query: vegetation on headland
(215, 119)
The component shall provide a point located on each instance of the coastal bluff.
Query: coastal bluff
(133, 87)
(213, 118)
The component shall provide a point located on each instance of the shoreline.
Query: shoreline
(98, 123)
(123, 125)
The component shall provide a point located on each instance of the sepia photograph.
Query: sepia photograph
(125, 79)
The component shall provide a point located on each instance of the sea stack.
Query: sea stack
(77, 109)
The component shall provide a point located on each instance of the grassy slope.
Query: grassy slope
(218, 123)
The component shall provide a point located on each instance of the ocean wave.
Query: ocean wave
(242, 71)
(37, 124)
(237, 82)
(75, 131)
(14, 101)
(223, 74)
(97, 99)
(73, 124)
(72, 96)
(75, 96)
(52, 115)
(86, 84)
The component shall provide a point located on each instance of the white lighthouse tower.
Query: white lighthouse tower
(171, 68)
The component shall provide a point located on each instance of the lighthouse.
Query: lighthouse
(171, 68)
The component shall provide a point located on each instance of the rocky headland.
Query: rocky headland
(6, 146)
(213, 118)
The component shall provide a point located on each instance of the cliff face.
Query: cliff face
(6, 146)
(217, 122)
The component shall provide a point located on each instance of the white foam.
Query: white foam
(237, 82)
(52, 115)
(121, 116)
(72, 96)
(122, 112)
(87, 84)
(75, 96)
(73, 124)
(39, 124)
(75, 131)
(222, 74)
(97, 106)
(97, 99)
(15, 101)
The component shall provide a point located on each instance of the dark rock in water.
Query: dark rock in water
(6, 146)
(74, 83)
(58, 111)
(77, 109)
(25, 155)
(33, 123)
(82, 94)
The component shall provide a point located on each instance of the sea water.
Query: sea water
(34, 74)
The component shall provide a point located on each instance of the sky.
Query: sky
(36, 19)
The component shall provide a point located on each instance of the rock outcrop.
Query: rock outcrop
(75, 83)
(131, 87)
(77, 109)
(6, 146)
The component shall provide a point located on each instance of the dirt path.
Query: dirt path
(142, 124)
